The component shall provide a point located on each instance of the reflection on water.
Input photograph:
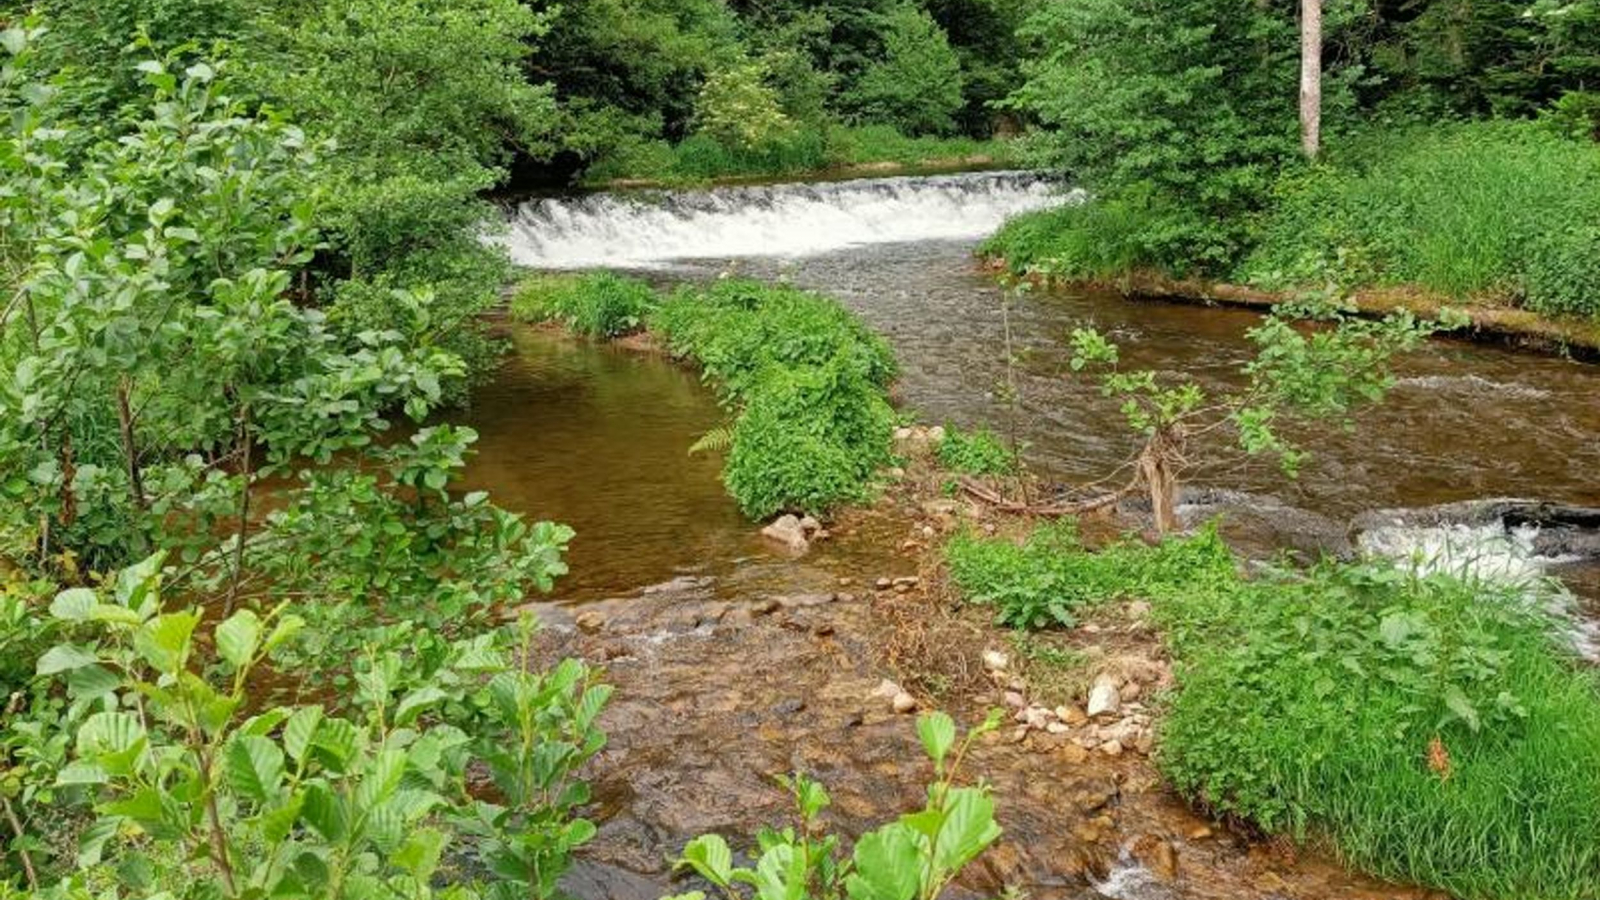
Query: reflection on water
(597, 438)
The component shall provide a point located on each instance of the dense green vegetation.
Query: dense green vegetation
(977, 452)
(804, 381)
(1432, 727)
(1180, 120)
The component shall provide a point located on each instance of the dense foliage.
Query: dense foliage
(1180, 120)
(1434, 727)
(806, 381)
(597, 304)
(977, 452)
(191, 407)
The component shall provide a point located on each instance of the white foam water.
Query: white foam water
(647, 229)
(1490, 552)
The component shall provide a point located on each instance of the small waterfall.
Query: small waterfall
(642, 229)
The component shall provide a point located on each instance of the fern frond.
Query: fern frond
(714, 441)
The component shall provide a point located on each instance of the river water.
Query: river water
(596, 437)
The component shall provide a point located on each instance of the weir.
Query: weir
(646, 229)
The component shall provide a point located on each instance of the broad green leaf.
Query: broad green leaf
(254, 767)
(64, 658)
(237, 638)
(73, 604)
(299, 731)
(710, 857)
(969, 827)
(419, 855)
(938, 733)
(887, 865)
(164, 641)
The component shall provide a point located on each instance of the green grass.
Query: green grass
(595, 304)
(806, 381)
(979, 452)
(1430, 729)
(700, 158)
(1497, 210)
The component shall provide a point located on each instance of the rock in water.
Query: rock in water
(787, 530)
(1103, 697)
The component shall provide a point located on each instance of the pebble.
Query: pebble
(1074, 754)
(1103, 697)
(907, 580)
(1014, 700)
(590, 622)
(928, 532)
(1199, 832)
(1111, 748)
(886, 689)
(765, 607)
(1058, 728)
(995, 661)
(903, 702)
(883, 584)
(1071, 715)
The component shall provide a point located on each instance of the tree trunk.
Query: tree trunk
(1310, 77)
(1155, 467)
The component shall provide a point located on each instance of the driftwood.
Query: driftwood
(1076, 508)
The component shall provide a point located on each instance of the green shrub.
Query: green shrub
(597, 304)
(1100, 238)
(1490, 209)
(807, 380)
(1048, 578)
(735, 328)
(809, 438)
(975, 453)
(1426, 725)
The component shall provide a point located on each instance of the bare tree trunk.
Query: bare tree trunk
(1310, 77)
(1155, 467)
(130, 450)
(247, 448)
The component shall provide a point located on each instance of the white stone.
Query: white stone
(995, 661)
(1103, 698)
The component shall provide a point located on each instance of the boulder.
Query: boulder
(1104, 699)
(787, 531)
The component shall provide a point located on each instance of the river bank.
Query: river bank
(1520, 329)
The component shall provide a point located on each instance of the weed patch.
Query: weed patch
(979, 452)
(597, 304)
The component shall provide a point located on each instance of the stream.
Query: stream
(713, 699)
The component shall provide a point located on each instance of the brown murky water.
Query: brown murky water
(712, 700)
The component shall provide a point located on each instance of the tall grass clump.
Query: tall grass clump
(1429, 727)
(1048, 578)
(807, 384)
(595, 304)
(1496, 211)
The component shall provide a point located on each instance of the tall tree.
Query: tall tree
(1310, 77)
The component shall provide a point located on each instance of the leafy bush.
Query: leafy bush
(1045, 580)
(1103, 237)
(597, 304)
(916, 85)
(913, 858)
(809, 438)
(808, 381)
(739, 109)
(200, 792)
(1428, 726)
(1493, 210)
(976, 453)
(735, 328)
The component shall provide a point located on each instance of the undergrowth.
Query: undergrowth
(979, 452)
(701, 157)
(594, 304)
(1432, 729)
(806, 381)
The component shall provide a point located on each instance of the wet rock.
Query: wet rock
(787, 530)
(1074, 754)
(1104, 699)
(1071, 715)
(903, 702)
(789, 707)
(995, 661)
(1095, 798)
(1111, 748)
(809, 525)
(1158, 856)
(883, 584)
(765, 607)
(590, 622)
(1199, 833)
(801, 601)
